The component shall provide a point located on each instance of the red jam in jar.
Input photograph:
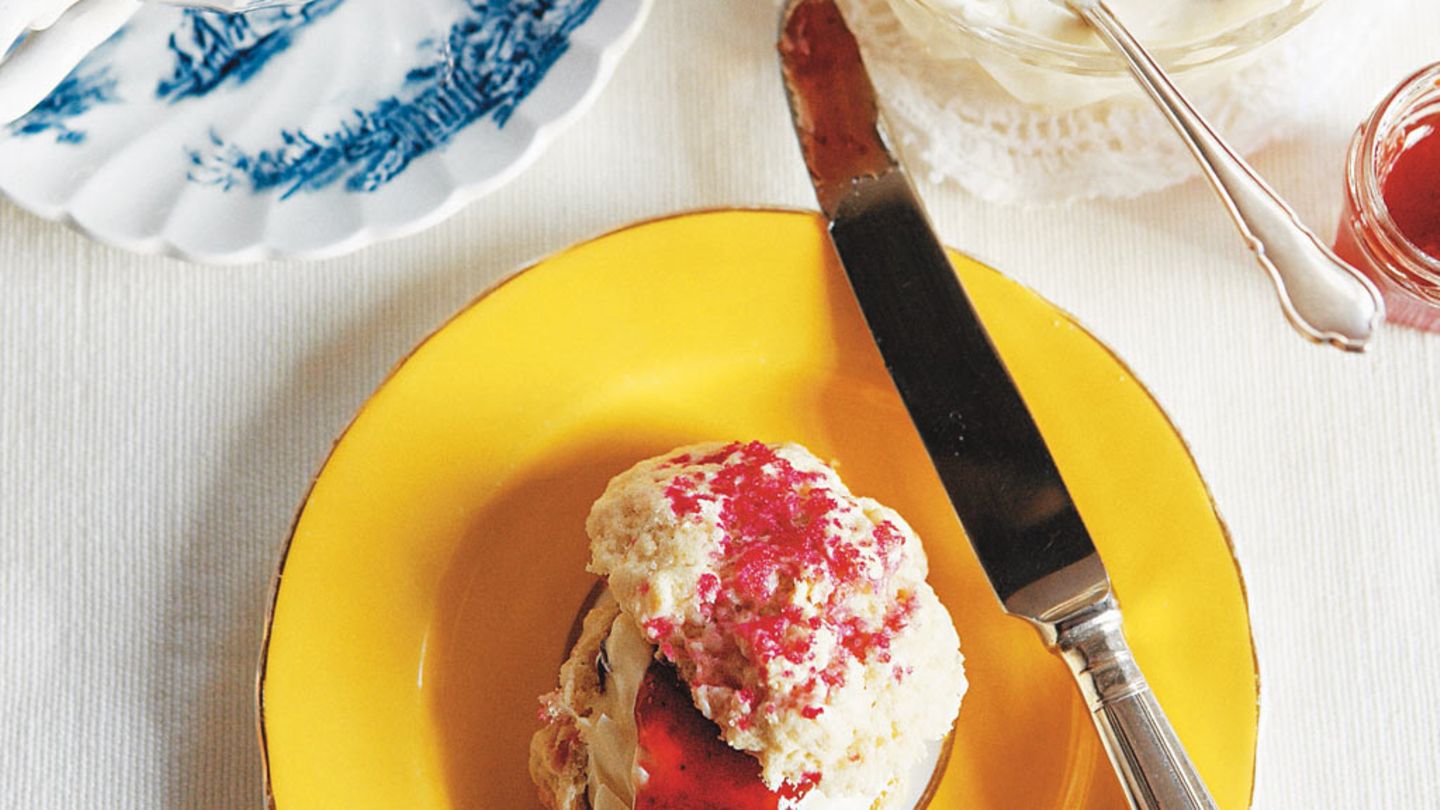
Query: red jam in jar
(1390, 228)
(1412, 191)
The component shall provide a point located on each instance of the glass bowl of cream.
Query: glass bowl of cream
(1044, 55)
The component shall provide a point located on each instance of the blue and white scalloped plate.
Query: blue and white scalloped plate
(308, 130)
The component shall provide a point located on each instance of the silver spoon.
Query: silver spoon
(1326, 300)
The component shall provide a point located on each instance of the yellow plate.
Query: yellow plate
(439, 560)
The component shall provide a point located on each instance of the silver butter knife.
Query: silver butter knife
(991, 458)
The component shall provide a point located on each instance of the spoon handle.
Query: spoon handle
(1325, 299)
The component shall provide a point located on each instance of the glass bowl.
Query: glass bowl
(1070, 72)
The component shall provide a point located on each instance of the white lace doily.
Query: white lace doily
(955, 123)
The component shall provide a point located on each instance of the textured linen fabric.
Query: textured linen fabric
(159, 423)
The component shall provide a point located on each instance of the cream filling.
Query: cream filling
(816, 800)
(609, 731)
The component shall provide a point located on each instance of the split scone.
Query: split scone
(766, 639)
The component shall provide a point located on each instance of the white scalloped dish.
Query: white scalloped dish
(310, 130)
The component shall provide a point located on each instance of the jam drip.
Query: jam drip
(688, 766)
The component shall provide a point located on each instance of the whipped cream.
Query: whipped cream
(1154, 22)
(609, 732)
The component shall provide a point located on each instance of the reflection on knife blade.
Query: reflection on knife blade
(991, 457)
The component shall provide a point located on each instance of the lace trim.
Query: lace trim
(957, 124)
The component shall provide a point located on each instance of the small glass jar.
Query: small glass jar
(1368, 236)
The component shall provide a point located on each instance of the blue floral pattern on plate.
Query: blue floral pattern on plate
(489, 62)
(90, 84)
(212, 47)
(187, 128)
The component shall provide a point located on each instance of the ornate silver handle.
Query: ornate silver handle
(1325, 299)
(1153, 767)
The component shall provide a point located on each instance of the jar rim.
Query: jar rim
(1366, 190)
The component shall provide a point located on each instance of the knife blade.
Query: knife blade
(1001, 479)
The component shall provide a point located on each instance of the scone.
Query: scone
(767, 639)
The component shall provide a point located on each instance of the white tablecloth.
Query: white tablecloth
(159, 423)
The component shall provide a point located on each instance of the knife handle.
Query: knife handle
(1153, 767)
